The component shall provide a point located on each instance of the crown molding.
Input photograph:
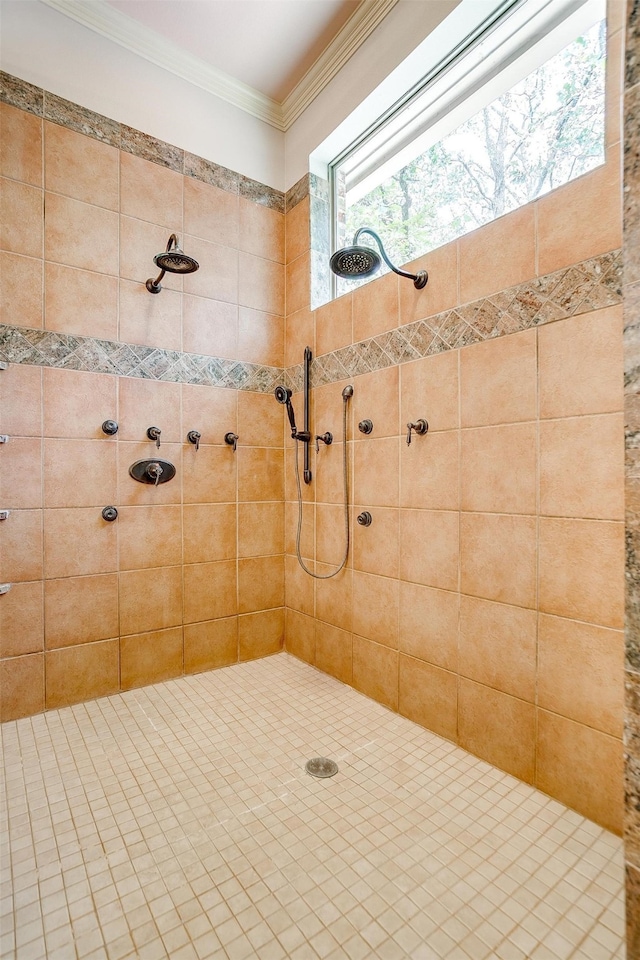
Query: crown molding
(128, 33)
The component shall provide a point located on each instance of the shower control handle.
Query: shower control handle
(326, 438)
(154, 434)
(231, 439)
(194, 436)
(154, 471)
(365, 519)
(420, 427)
(365, 426)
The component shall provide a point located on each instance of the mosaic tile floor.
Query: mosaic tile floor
(177, 821)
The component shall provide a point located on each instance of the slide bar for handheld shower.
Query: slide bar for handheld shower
(307, 443)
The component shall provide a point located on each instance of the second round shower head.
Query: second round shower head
(355, 261)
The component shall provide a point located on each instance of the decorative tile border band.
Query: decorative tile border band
(45, 348)
(581, 288)
(18, 93)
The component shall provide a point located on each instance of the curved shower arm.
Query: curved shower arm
(419, 279)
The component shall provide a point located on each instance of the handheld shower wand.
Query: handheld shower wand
(283, 396)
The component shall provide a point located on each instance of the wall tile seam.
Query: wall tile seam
(48, 348)
(47, 106)
(581, 288)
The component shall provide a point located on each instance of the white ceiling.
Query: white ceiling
(267, 44)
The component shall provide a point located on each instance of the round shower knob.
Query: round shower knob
(110, 427)
(365, 426)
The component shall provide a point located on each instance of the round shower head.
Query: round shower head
(353, 262)
(175, 261)
(282, 394)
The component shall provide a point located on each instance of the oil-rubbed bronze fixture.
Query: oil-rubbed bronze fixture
(231, 439)
(109, 514)
(171, 260)
(365, 426)
(110, 427)
(326, 438)
(356, 262)
(420, 427)
(152, 471)
(194, 436)
(365, 519)
(153, 433)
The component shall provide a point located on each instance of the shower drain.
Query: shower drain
(321, 767)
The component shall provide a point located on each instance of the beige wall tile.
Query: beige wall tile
(429, 624)
(497, 728)
(328, 472)
(20, 291)
(149, 536)
(210, 591)
(582, 570)
(21, 557)
(76, 403)
(429, 389)
(429, 548)
(581, 673)
(498, 380)
(150, 658)
(80, 610)
(429, 696)
(81, 235)
(21, 400)
(150, 192)
(582, 467)
(80, 167)
(261, 230)
(260, 584)
(297, 230)
(334, 651)
(148, 403)
(376, 549)
(261, 284)
(140, 242)
(21, 218)
(260, 337)
(209, 532)
(217, 277)
(21, 477)
(331, 536)
(375, 671)
(78, 542)
(441, 292)
(210, 213)
(80, 302)
(79, 473)
(150, 599)
(375, 608)
(210, 410)
(334, 325)
(299, 586)
(498, 558)
(307, 532)
(260, 529)
(297, 284)
(260, 473)
(21, 620)
(209, 327)
(376, 398)
(210, 474)
(582, 218)
(582, 768)
(498, 469)
(500, 254)
(300, 636)
(497, 646)
(260, 420)
(152, 320)
(84, 672)
(334, 598)
(580, 363)
(211, 644)
(260, 634)
(20, 145)
(375, 473)
(376, 307)
(21, 687)
(429, 471)
(299, 333)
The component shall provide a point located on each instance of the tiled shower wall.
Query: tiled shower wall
(190, 576)
(485, 601)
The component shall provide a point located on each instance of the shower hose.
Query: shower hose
(334, 573)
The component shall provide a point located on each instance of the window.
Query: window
(518, 111)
